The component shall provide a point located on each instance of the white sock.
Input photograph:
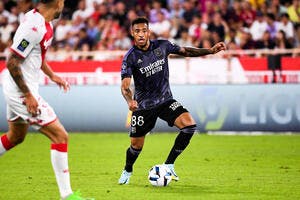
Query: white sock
(2, 149)
(59, 160)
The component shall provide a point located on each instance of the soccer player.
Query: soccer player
(147, 63)
(25, 106)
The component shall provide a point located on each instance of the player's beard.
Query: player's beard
(57, 14)
(142, 46)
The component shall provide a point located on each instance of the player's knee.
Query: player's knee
(61, 138)
(137, 143)
(137, 146)
(189, 122)
(64, 138)
(185, 120)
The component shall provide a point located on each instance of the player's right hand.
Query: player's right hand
(61, 83)
(31, 104)
(132, 105)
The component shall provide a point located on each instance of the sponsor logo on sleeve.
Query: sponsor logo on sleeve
(124, 66)
(23, 45)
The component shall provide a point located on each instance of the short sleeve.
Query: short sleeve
(26, 37)
(126, 70)
(172, 48)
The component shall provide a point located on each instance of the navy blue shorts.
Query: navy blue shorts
(143, 121)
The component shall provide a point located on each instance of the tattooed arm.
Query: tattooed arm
(195, 52)
(13, 65)
(128, 95)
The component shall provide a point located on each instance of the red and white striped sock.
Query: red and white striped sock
(5, 145)
(59, 160)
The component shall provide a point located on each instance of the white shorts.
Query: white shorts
(17, 112)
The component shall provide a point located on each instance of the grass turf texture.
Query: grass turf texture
(212, 167)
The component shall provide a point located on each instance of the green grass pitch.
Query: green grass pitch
(211, 168)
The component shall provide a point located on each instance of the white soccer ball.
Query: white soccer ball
(160, 175)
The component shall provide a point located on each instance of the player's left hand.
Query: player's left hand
(220, 46)
(61, 83)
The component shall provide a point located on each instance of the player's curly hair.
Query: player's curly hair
(140, 20)
(46, 1)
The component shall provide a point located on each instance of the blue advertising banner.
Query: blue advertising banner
(247, 107)
(272, 108)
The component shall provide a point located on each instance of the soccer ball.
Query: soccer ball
(160, 175)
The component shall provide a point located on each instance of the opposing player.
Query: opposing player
(25, 106)
(147, 63)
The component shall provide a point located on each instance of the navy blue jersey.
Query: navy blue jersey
(150, 72)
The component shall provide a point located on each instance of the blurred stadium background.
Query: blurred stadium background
(252, 87)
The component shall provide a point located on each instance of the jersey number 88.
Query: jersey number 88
(137, 120)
